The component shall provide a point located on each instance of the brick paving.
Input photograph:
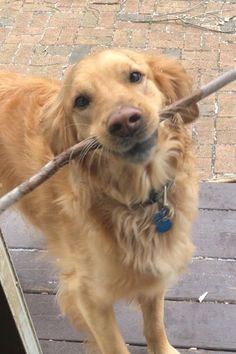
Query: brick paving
(45, 37)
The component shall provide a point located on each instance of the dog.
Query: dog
(117, 219)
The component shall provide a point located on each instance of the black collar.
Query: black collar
(156, 196)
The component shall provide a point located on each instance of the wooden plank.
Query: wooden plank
(205, 325)
(18, 232)
(8, 328)
(218, 277)
(35, 270)
(218, 196)
(214, 234)
(16, 301)
(52, 347)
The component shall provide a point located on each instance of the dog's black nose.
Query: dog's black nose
(125, 122)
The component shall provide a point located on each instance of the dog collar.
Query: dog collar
(159, 197)
(163, 219)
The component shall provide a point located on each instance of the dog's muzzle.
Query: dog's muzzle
(126, 126)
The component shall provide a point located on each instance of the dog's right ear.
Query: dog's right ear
(56, 125)
(172, 79)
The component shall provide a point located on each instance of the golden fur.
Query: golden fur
(107, 246)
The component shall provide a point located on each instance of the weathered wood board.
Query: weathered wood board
(52, 347)
(209, 325)
(189, 324)
(217, 277)
(214, 233)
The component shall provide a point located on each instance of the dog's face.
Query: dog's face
(116, 95)
(113, 97)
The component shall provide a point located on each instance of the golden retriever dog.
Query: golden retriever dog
(117, 218)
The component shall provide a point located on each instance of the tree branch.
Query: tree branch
(91, 143)
(46, 172)
(198, 95)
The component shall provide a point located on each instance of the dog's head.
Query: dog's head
(116, 95)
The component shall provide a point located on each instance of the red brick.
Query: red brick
(208, 107)
(147, 7)
(16, 5)
(24, 39)
(36, 70)
(138, 38)
(203, 150)
(40, 19)
(204, 167)
(121, 38)
(128, 25)
(67, 36)
(132, 6)
(226, 130)
(23, 19)
(195, 77)
(114, 6)
(14, 67)
(159, 27)
(39, 60)
(192, 42)
(107, 19)
(208, 75)
(65, 19)
(76, 4)
(51, 35)
(225, 159)
(227, 60)
(31, 7)
(165, 40)
(204, 130)
(33, 30)
(94, 36)
(210, 41)
(229, 9)
(3, 34)
(90, 19)
(226, 136)
(23, 54)
(199, 59)
(227, 38)
(54, 71)
(7, 53)
(227, 106)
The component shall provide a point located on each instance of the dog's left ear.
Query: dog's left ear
(173, 81)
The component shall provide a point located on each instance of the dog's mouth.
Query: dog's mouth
(142, 150)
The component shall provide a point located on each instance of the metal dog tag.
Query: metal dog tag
(162, 220)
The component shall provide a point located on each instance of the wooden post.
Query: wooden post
(14, 295)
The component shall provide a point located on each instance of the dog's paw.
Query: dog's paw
(169, 350)
(172, 350)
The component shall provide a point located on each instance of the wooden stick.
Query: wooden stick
(46, 172)
(91, 143)
(198, 95)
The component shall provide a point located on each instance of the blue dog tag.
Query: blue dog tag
(162, 220)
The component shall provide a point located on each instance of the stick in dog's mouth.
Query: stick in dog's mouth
(92, 143)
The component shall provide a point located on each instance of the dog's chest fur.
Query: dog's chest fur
(133, 239)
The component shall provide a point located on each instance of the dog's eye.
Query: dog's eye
(135, 76)
(82, 101)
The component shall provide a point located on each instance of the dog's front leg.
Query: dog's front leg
(101, 321)
(154, 327)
